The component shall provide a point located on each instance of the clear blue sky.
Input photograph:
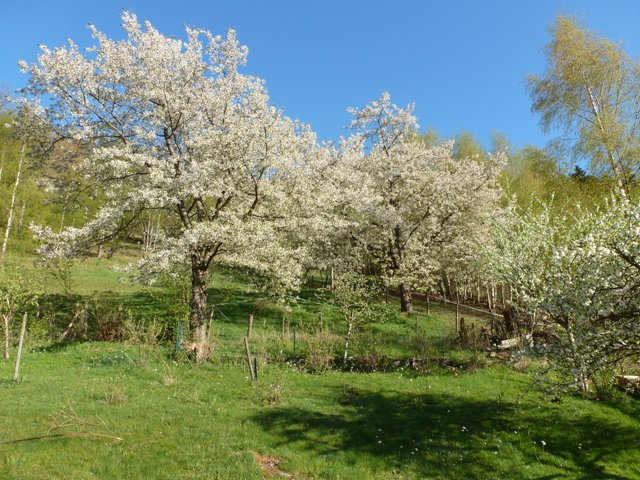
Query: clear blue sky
(463, 63)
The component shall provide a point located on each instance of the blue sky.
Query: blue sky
(463, 63)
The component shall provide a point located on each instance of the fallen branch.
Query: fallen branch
(69, 327)
(64, 435)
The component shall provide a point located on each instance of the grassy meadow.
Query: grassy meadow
(134, 411)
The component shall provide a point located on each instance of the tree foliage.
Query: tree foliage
(591, 89)
(173, 126)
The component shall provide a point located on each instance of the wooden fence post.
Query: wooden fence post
(251, 371)
(20, 344)
(457, 318)
(294, 341)
(250, 326)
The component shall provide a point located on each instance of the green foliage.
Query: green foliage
(591, 89)
(467, 146)
(19, 291)
(354, 295)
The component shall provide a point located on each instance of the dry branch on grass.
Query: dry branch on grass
(68, 418)
(65, 435)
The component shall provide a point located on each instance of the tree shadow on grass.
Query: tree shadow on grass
(445, 436)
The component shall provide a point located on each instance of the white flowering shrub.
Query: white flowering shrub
(581, 273)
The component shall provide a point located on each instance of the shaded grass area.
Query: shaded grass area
(100, 287)
(206, 422)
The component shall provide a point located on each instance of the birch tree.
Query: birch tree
(12, 205)
(173, 126)
(591, 88)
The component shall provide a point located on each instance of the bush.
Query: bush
(106, 318)
(321, 351)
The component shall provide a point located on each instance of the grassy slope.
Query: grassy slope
(206, 422)
(333, 426)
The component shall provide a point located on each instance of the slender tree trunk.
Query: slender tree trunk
(448, 286)
(346, 343)
(2, 160)
(198, 320)
(12, 207)
(64, 211)
(493, 294)
(405, 298)
(7, 333)
(582, 380)
(620, 175)
(16, 372)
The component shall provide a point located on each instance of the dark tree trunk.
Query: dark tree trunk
(405, 298)
(509, 321)
(198, 320)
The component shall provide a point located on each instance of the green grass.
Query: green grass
(209, 422)
(205, 422)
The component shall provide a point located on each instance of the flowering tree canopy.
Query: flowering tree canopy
(419, 199)
(582, 274)
(174, 127)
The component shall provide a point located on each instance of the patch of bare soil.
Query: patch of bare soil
(270, 466)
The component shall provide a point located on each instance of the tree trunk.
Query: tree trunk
(405, 298)
(2, 161)
(448, 286)
(346, 343)
(12, 207)
(198, 320)
(7, 333)
(16, 372)
(581, 377)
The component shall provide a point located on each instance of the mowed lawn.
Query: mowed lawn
(143, 416)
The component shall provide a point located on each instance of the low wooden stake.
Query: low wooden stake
(20, 344)
(251, 371)
(250, 326)
(213, 310)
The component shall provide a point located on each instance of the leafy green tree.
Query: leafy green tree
(355, 296)
(18, 292)
(467, 146)
(591, 89)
